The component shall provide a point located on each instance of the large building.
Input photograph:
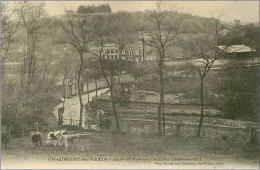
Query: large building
(130, 53)
(109, 51)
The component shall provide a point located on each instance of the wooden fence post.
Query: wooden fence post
(37, 126)
(177, 129)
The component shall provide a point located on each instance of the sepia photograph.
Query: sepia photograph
(129, 84)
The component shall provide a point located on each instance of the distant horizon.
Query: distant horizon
(245, 11)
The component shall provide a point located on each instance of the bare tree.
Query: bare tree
(208, 54)
(163, 31)
(110, 67)
(79, 33)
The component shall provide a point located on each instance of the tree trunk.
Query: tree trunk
(143, 46)
(162, 90)
(163, 119)
(118, 76)
(161, 105)
(82, 87)
(79, 91)
(113, 104)
(96, 85)
(201, 105)
(159, 120)
(3, 71)
(88, 89)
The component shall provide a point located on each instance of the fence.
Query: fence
(72, 122)
(209, 132)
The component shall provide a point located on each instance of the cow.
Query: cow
(55, 137)
(36, 138)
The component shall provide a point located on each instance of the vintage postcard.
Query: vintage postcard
(129, 84)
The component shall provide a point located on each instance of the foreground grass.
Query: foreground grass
(114, 145)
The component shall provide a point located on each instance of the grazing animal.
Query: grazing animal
(69, 139)
(37, 138)
(56, 137)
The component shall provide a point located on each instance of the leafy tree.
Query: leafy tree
(240, 91)
(22, 94)
(250, 38)
(94, 9)
(9, 27)
(33, 16)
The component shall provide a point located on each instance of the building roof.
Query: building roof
(110, 45)
(236, 48)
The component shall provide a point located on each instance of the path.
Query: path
(72, 107)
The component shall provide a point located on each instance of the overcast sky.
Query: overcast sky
(246, 11)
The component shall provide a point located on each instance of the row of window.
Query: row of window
(131, 52)
(115, 51)
(116, 57)
(110, 57)
(111, 51)
(123, 57)
(123, 52)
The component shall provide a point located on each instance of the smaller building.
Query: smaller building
(70, 87)
(237, 52)
(152, 56)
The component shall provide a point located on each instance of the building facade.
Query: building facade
(129, 53)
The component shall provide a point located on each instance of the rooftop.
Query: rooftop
(110, 45)
(236, 48)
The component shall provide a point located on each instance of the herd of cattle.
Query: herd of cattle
(56, 138)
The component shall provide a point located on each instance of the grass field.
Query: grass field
(114, 146)
(136, 150)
